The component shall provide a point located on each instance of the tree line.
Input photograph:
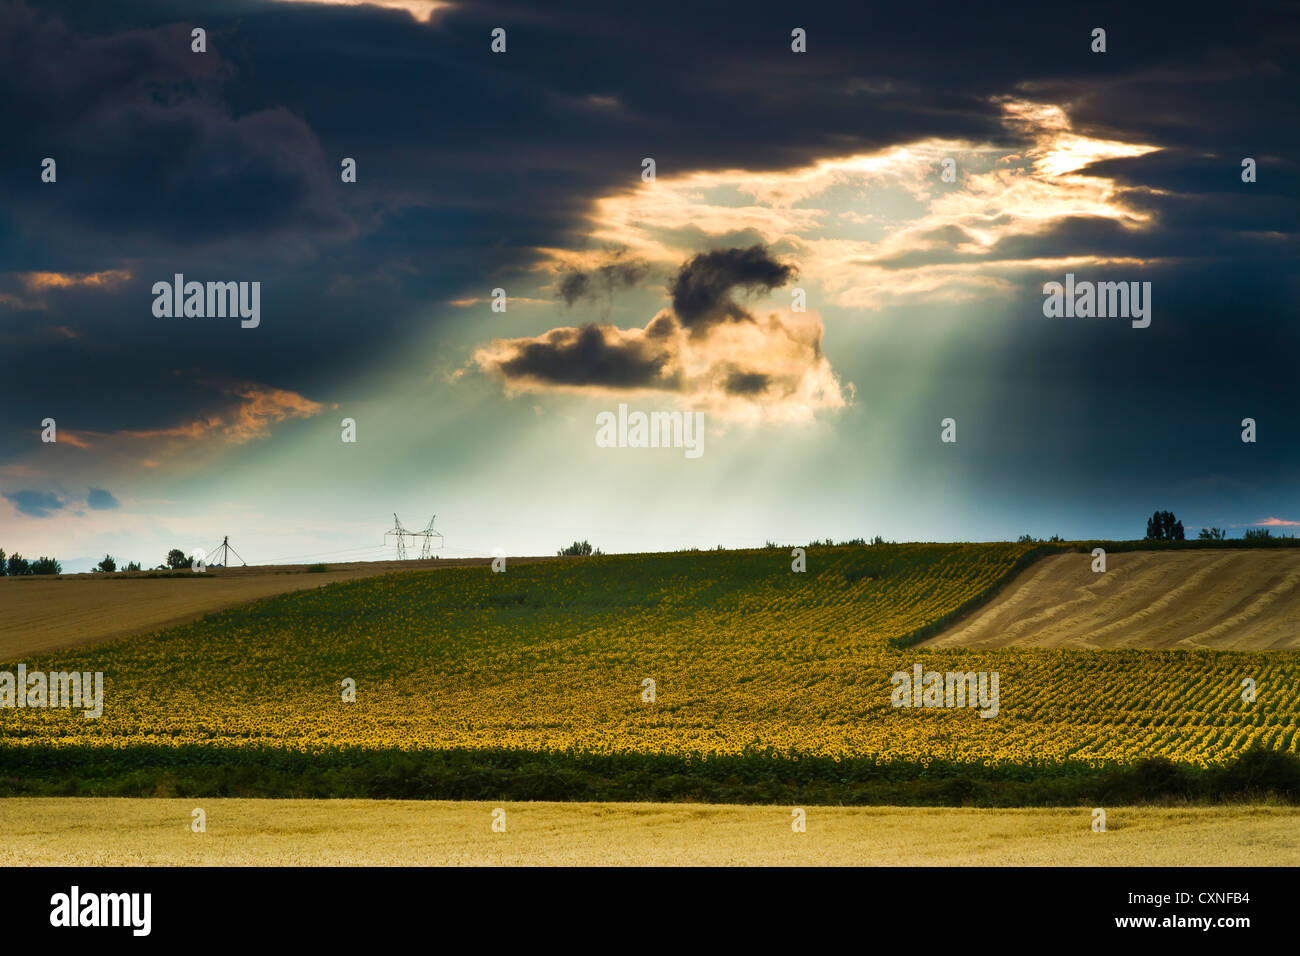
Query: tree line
(16, 566)
(1163, 526)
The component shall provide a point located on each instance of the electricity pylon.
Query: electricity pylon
(401, 534)
(426, 536)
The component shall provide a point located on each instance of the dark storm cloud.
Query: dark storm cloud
(225, 165)
(602, 281)
(575, 286)
(588, 356)
(1228, 228)
(148, 152)
(701, 292)
(1201, 204)
(35, 504)
(101, 500)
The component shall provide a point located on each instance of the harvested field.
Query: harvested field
(1223, 599)
(157, 832)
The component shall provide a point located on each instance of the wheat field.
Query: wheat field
(157, 832)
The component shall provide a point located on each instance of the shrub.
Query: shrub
(1260, 771)
(1149, 779)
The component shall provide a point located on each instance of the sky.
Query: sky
(838, 250)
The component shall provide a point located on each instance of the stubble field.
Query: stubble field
(1226, 600)
(424, 833)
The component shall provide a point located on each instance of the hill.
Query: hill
(45, 614)
(767, 683)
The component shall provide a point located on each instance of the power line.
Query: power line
(369, 549)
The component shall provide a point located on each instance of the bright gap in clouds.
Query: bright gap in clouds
(419, 9)
(866, 232)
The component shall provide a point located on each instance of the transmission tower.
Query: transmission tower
(428, 534)
(426, 538)
(225, 550)
(401, 534)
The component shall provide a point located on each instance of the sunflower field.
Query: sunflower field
(745, 656)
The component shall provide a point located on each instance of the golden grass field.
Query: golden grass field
(53, 613)
(1225, 600)
(130, 832)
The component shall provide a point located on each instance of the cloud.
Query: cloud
(108, 279)
(35, 504)
(422, 10)
(723, 359)
(593, 355)
(747, 383)
(27, 290)
(603, 280)
(1275, 523)
(243, 412)
(138, 109)
(702, 290)
(101, 500)
(249, 413)
(877, 229)
(259, 407)
(480, 300)
(445, 208)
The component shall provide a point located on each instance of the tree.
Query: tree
(18, 565)
(1212, 534)
(1257, 534)
(44, 565)
(1163, 526)
(176, 559)
(2, 562)
(132, 566)
(108, 565)
(577, 549)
